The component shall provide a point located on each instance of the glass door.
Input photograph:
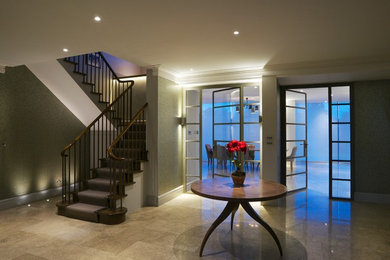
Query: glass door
(226, 127)
(252, 129)
(192, 136)
(296, 140)
(340, 143)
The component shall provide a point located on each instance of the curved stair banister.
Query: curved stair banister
(85, 151)
(85, 159)
(126, 152)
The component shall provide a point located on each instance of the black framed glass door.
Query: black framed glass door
(227, 123)
(295, 140)
(340, 145)
(192, 137)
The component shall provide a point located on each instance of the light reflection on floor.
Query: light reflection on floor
(308, 224)
(318, 177)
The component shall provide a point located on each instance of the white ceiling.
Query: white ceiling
(198, 34)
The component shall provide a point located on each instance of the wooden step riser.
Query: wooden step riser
(93, 217)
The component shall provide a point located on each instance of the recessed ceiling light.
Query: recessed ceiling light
(191, 69)
(236, 32)
(97, 18)
(65, 50)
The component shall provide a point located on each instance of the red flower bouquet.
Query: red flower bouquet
(237, 149)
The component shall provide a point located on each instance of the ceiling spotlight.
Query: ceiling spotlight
(236, 32)
(65, 50)
(97, 18)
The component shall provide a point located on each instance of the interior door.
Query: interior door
(192, 136)
(340, 147)
(227, 115)
(296, 140)
(252, 129)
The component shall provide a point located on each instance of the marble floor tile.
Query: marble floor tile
(308, 224)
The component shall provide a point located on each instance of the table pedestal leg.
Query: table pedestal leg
(233, 212)
(247, 207)
(225, 213)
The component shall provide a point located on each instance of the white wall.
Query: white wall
(61, 84)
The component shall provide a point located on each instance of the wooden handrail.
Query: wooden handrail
(110, 153)
(108, 65)
(96, 119)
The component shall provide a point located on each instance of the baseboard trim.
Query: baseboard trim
(28, 198)
(167, 196)
(372, 197)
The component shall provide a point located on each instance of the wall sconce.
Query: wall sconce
(181, 120)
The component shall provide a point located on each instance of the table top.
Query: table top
(221, 188)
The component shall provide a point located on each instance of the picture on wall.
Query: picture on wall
(93, 60)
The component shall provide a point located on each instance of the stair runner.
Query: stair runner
(95, 198)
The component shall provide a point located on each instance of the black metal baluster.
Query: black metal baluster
(80, 163)
(69, 174)
(74, 169)
(98, 141)
(63, 184)
(93, 145)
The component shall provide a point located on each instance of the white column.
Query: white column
(270, 129)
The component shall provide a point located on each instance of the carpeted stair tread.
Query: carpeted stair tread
(82, 207)
(83, 211)
(102, 184)
(104, 173)
(94, 193)
(94, 197)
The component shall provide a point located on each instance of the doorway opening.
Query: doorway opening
(215, 116)
(316, 140)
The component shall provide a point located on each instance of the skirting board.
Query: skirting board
(372, 197)
(25, 199)
(167, 196)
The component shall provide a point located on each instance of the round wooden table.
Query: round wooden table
(253, 190)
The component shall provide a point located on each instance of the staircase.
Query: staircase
(101, 161)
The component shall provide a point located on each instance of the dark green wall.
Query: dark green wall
(170, 152)
(35, 126)
(372, 136)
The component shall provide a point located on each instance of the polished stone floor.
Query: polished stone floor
(309, 226)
